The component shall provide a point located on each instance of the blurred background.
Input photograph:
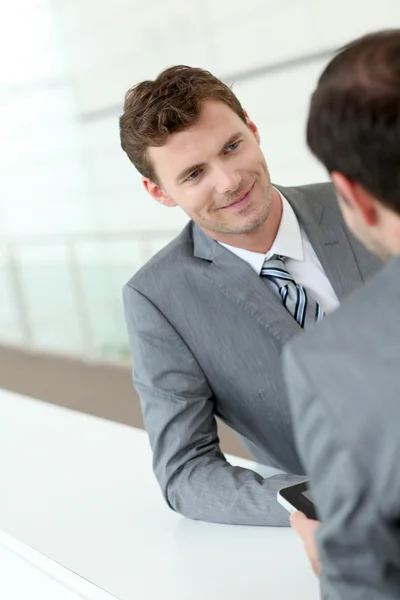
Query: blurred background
(75, 223)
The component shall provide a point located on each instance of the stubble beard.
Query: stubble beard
(251, 223)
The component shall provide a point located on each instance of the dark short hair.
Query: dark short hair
(354, 119)
(172, 102)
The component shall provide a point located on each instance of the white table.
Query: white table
(81, 491)
(25, 573)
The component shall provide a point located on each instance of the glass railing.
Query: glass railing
(64, 293)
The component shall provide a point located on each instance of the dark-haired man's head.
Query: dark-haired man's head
(354, 130)
(195, 147)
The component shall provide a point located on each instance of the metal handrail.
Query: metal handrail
(51, 238)
(70, 241)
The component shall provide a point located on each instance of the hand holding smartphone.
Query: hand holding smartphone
(298, 497)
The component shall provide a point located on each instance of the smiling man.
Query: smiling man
(208, 315)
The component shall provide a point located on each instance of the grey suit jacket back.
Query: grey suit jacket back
(344, 383)
(206, 335)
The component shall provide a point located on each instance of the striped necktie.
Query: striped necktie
(296, 300)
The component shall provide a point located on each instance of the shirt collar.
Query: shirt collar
(287, 243)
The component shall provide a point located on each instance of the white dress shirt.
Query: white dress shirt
(301, 261)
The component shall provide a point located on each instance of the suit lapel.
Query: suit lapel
(326, 231)
(239, 283)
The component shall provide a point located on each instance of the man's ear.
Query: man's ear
(157, 192)
(252, 126)
(356, 197)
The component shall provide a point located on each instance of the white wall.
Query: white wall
(114, 46)
(67, 59)
(65, 66)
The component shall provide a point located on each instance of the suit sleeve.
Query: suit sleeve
(178, 411)
(353, 540)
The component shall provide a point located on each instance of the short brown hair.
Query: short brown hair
(354, 118)
(171, 103)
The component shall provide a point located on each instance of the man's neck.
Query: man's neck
(390, 235)
(261, 239)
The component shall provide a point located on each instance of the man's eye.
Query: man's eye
(193, 175)
(232, 147)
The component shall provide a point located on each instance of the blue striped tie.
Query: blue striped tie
(296, 300)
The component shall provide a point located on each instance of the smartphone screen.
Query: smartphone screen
(308, 495)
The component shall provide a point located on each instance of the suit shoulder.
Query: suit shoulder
(370, 309)
(322, 194)
(317, 190)
(348, 364)
(169, 259)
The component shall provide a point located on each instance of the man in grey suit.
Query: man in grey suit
(208, 315)
(344, 376)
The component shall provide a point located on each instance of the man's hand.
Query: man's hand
(306, 529)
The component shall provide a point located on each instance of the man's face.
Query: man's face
(215, 171)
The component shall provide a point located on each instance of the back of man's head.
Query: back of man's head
(354, 120)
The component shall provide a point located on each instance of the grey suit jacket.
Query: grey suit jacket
(206, 335)
(344, 382)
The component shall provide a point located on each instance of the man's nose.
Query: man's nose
(227, 179)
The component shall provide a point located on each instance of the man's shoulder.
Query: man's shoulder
(167, 261)
(361, 321)
(347, 366)
(312, 199)
(323, 191)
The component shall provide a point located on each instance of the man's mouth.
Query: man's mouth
(240, 202)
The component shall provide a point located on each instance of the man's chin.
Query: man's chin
(244, 229)
(255, 223)
(238, 226)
